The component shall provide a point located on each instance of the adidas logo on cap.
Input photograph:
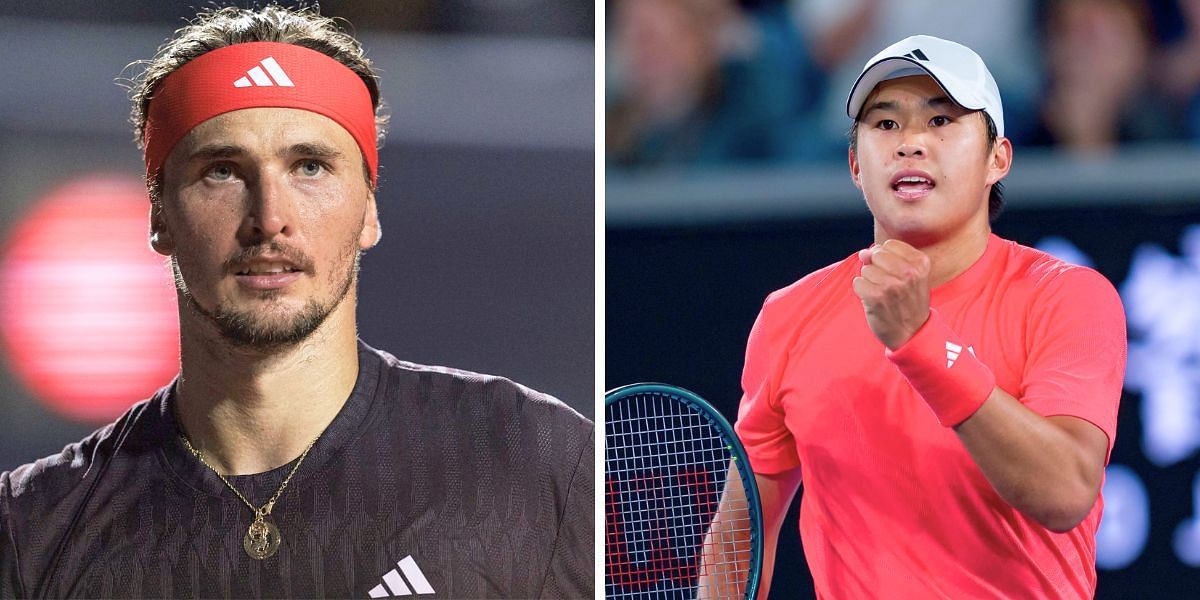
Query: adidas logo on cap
(258, 77)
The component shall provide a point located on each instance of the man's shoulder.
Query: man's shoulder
(478, 419)
(39, 486)
(815, 289)
(1041, 273)
(471, 393)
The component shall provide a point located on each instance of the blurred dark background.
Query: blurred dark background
(727, 179)
(486, 198)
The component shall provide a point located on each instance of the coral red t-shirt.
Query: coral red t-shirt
(893, 504)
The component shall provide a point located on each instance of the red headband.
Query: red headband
(256, 75)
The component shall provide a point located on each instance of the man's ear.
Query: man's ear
(372, 232)
(855, 173)
(1000, 160)
(160, 237)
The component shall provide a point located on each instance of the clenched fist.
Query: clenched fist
(894, 288)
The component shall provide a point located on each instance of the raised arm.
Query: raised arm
(1048, 466)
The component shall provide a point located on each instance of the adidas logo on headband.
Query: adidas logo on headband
(260, 78)
(201, 90)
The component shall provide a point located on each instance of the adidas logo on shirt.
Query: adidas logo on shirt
(394, 586)
(258, 77)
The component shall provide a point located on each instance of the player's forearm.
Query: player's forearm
(721, 577)
(722, 567)
(1036, 464)
(776, 493)
(713, 581)
(770, 542)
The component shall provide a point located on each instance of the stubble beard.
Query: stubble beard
(249, 330)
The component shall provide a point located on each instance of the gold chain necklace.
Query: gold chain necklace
(262, 540)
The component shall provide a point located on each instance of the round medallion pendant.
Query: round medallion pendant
(262, 540)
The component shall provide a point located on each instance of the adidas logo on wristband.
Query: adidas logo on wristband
(952, 352)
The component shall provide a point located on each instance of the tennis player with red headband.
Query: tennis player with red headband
(288, 458)
(948, 398)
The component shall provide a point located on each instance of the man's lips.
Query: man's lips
(266, 273)
(267, 281)
(266, 268)
(911, 184)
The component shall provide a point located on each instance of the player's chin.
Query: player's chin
(891, 211)
(281, 320)
(272, 307)
(914, 229)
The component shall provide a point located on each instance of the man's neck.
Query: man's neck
(950, 256)
(249, 411)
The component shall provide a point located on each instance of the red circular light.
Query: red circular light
(88, 317)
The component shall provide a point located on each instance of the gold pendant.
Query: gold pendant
(262, 540)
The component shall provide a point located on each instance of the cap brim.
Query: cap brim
(884, 69)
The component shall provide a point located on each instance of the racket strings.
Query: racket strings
(666, 467)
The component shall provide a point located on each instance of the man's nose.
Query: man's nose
(270, 211)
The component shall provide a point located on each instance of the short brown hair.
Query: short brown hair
(227, 26)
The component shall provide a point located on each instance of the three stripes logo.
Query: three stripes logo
(917, 55)
(953, 351)
(272, 75)
(394, 585)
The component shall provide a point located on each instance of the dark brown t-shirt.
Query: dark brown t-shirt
(430, 482)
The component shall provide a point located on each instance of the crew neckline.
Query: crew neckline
(972, 276)
(259, 487)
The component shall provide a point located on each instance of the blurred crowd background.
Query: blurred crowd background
(703, 82)
(727, 179)
(486, 200)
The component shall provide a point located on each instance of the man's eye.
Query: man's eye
(220, 172)
(311, 168)
(939, 121)
(887, 124)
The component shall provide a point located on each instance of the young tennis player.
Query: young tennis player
(947, 398)
(288, 458)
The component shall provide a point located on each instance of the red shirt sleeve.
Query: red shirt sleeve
(760, 423)
(1076, 345)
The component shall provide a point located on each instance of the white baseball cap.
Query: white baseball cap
(955, 67)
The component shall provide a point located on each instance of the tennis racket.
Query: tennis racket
(672, 528)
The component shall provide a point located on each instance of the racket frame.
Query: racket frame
(715, 417)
